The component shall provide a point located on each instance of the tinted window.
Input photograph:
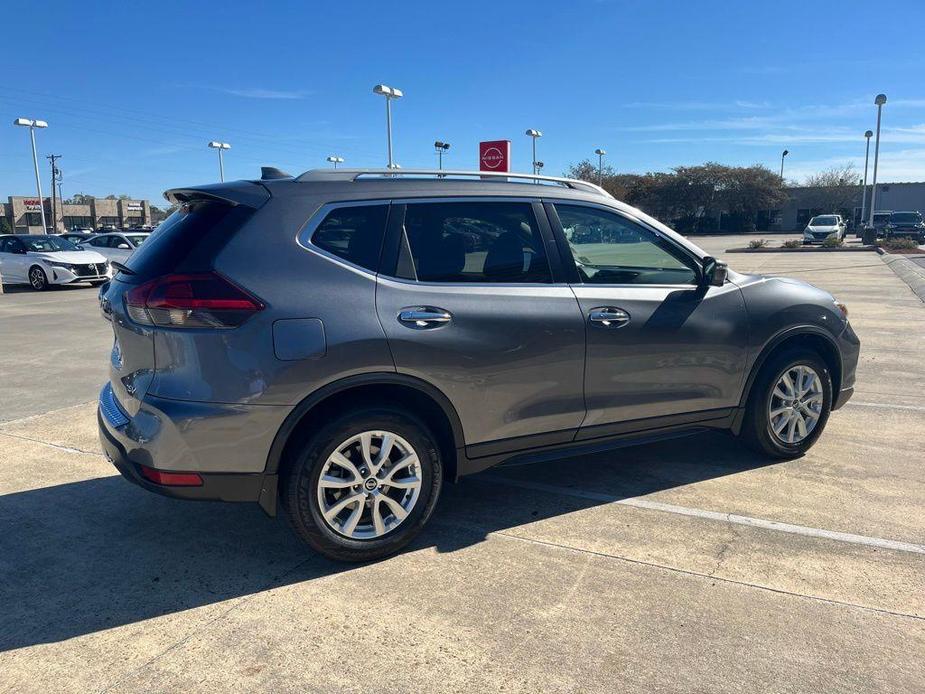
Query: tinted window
(10, 245)
(187, 241)
(906, 218)
(100, 241)
(610, 249)
(354, 234)
(475, 242)
(826, 221)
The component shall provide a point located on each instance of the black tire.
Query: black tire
(299, 485)
(38, 280)
(756, 431)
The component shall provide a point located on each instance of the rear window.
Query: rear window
(187, 241)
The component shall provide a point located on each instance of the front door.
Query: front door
(472, 308)
(661, 347)
(13, 261)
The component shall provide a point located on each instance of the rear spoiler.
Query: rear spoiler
(246, 193)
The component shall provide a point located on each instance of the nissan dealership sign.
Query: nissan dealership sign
(495, 155)
(32, 204)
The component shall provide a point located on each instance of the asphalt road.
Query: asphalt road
(689, 565)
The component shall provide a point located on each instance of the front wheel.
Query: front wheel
(364, 486)
(789, 404)
(37, 278)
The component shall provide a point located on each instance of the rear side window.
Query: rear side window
(354, 233)
(187, 241)
(493, 242)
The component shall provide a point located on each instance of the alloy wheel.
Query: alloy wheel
(795, 404)
(369, 485)
(37, 278)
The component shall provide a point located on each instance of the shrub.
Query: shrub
(792, 243)
(898, 244)
(757, 243)
(832, 242)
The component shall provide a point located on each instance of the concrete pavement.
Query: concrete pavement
(689, 565)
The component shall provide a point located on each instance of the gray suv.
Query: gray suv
(342, 343)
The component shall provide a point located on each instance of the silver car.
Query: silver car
(342, 343)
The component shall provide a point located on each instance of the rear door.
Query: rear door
(470, 303)
(661, 349)
(13, 260)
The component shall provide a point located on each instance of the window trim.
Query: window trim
(389, 258)
(569, 261)
(304, 235)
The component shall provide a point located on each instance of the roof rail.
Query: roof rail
(318, 175)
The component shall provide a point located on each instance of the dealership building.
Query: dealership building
(802, 203)
(23, 214)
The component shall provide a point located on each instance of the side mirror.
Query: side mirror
(714, 272)
(124, 246)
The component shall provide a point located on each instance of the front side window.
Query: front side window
(610, 249)
(354, 234)
(493, 242)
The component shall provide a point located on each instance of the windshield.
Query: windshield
(906, 218)
(47, 244)
(827, 220)
(137, 239)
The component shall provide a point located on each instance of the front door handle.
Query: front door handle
(609, 317)
(421, 317)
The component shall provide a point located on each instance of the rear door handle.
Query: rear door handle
(609, 317)
(422, 317)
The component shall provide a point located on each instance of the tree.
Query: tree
(79, 199)
(5, 226)
(834, 190)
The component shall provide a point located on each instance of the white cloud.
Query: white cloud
(260, 93)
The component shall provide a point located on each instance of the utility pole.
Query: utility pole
(54, 179)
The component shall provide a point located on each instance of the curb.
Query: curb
(909, 272)
(805, 249)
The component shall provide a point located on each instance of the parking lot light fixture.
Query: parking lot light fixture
(389, 93)
(878, 102)
(600, 164)
(334, 159)
(32, 124)
(535, 134)
(440, 148)
(867, 135)
(782, 155)
(221, 147)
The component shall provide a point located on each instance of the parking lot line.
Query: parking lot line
(638, 502)
(915, 408)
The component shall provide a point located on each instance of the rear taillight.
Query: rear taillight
(203, 300)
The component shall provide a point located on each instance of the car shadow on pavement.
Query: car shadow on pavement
(92, 555)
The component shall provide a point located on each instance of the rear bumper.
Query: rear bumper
(129, 452)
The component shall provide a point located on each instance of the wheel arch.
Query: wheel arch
(800, 336)
(414, 394)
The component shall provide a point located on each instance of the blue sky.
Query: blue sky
(134, 91)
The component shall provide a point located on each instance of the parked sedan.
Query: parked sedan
(822, 227)
(42, 260)
(118, 246)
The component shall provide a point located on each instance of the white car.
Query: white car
(116, 246)
(42, 260)
(824, 226)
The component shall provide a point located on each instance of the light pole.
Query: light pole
(32, 124)
(600, 164)
(389, 93)
(334, 159)
(867, 135)
(539, 167)
(879, 101)
(440, 148)
(221, 147)
(782, 155)
(535, 134)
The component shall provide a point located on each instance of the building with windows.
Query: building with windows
(804, 203)
(23, 214)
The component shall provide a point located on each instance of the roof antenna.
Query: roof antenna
(268, 173)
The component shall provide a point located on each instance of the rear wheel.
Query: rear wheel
(789, 404)
(37, 278)
(364, 486)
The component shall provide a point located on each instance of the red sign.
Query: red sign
(495, 155)
(32, 205)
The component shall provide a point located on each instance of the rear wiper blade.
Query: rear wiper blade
(121, 268)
